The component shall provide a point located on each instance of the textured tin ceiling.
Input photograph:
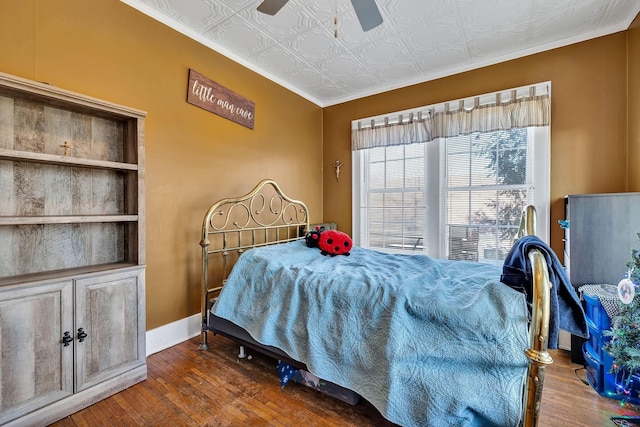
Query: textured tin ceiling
(419, 40)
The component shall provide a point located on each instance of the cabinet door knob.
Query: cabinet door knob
(81, 334)
(66, 339)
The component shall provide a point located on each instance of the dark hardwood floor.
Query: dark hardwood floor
(190, 387)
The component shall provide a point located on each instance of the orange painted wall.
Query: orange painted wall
(588, 119)
(633, 52)
(108, 50)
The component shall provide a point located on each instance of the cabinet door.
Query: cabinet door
(36, 368)
(110, 311)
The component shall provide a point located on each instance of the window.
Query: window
(394, 200)
(456, 197)
(488, 180)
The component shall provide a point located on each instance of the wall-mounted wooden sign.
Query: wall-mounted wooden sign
(209, 95)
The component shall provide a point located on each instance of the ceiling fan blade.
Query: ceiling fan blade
(271, 7)
(368, 13)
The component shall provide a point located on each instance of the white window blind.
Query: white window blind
(394, 202)
(485, 185)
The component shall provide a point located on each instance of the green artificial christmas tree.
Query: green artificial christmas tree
(634, 264)
(624, 346)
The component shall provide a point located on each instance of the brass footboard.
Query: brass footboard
(539, 327)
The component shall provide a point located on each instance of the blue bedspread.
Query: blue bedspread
(428, 342)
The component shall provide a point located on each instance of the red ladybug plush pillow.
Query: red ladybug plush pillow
(313, 237)
(334, 242)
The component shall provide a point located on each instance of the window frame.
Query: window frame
(435, 238)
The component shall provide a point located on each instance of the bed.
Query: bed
(444, 343)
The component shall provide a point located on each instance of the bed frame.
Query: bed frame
(266, 216)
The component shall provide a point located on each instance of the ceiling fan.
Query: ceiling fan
(366, 10)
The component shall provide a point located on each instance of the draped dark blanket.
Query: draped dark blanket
(566, 312)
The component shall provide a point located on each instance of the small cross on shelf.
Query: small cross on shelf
(66, 147)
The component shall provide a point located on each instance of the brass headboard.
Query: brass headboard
(264, 216)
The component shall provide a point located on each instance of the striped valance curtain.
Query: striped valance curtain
(523, 107)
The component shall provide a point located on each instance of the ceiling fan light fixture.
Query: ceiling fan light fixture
(366, 10)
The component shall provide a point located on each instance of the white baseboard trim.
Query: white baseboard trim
(173, 333)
